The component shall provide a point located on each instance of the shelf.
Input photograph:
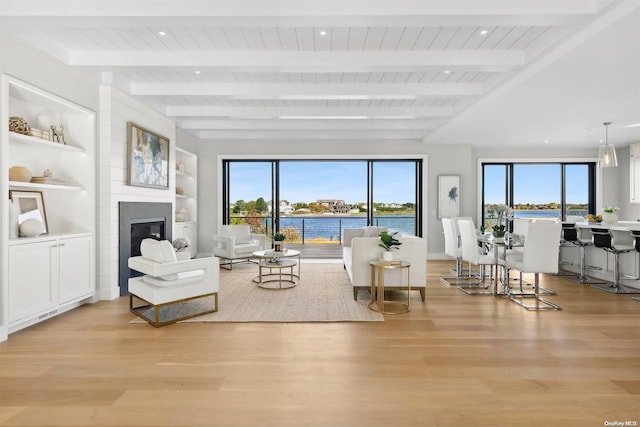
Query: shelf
(183, 196)
(17, 138)
(18, 184)
(183, 174)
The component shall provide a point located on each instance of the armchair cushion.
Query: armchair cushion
(158, 250)
(241, 233)
(370, 231)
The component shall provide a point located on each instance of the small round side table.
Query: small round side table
(378, 303)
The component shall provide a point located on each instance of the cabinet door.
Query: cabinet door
(33, 272)
(76, 269)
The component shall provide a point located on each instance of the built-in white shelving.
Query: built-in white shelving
(54, 272)
(186, 205)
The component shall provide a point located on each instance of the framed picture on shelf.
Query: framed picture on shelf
(147, 158)
(31, 205)
(448, 196)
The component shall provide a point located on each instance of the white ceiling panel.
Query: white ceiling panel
(421, 69)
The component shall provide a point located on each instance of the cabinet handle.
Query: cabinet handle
(62, 244)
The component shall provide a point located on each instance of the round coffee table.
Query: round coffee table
(271, 254)
(279, 279)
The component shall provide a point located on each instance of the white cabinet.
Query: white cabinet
(33, 269)
(43, 275)
(47, 274)
(186, 197)
(634, 173)
(76, 268)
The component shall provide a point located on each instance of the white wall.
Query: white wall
(116, 109)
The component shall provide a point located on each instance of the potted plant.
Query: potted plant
(388, 242)
(609, 215)
(278, 238)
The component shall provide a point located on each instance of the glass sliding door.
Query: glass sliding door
(394, 195)
(495, 191)
(248, 194)
(312, 201)
(319, 198)
(577, 187)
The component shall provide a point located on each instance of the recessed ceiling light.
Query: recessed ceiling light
(197, 71)
(483, 32)
(323, 33)
(546, 141)
(447, 71)
(162, 33)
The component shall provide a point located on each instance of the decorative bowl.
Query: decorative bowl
(20, 174)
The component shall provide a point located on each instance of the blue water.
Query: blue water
(330, 227)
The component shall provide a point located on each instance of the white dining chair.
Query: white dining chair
(453, 249)
(474, 255)
(540, 255)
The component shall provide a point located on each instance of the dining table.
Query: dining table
(496, 244)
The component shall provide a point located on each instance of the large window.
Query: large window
(563, 191)
(312, 201)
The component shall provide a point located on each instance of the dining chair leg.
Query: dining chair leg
(541, 304)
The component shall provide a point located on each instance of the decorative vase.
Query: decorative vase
(387, 256)
(14, 215)
(20, 174)
(498, 233)
(609, 217)
(277, 246)
(31, 227)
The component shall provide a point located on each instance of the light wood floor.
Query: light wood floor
(456, 360)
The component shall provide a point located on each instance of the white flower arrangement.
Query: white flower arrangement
(611, 209)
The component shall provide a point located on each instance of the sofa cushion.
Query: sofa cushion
(370, 231)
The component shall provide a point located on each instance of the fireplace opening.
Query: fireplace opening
(138, 221)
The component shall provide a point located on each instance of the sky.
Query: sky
(537, 183)
(308, 181)
(394, 182)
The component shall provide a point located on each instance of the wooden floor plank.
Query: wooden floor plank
(454, 360)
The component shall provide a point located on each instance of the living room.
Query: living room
(508, 123)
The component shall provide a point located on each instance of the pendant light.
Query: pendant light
(607, 153)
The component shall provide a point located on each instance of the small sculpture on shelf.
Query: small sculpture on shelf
(19, 125)
(57, 134)
(181, 245)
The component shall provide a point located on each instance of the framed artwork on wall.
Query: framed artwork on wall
(31, 206)
(448, 196)
(147, 158)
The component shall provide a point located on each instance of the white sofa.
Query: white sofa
(360, 245)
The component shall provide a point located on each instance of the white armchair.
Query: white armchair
(168, 281)
(236, 242)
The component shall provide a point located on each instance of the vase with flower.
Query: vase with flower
(609, 214)
(503, 215)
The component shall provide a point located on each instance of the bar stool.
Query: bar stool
(603, 238)
(570, 233)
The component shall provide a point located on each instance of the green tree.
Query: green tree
(261, 205)
(240, 206)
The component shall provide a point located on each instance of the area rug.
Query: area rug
(323, 294)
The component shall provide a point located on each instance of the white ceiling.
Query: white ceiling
(480, 72)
